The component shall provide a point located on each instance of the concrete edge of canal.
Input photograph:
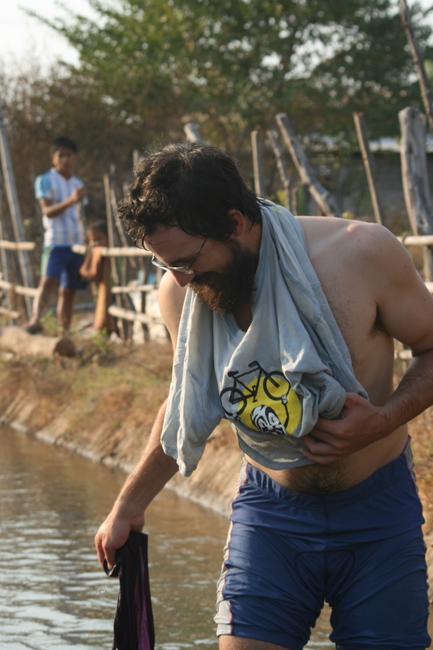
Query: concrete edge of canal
(212, 485)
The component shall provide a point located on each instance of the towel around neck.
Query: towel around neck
(274, 380)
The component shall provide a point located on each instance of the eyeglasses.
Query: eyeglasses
(180, 269)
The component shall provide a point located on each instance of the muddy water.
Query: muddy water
(52, 593)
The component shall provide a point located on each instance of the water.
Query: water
(53, 595)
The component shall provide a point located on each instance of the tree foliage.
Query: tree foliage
(233, 64)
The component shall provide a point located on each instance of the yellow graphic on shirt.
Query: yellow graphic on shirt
(262, 400)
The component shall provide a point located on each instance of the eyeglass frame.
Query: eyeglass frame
(180, 269)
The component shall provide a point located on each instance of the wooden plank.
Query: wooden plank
(279, 156)
(405, 355)
(16, 340)
(25, 291)
(10, 312)
(131, 251)
(17, 246)
(324, 199)
(128, 314)
(14, 208)
(143, 288)
(416, 240)
(259, 174)
(367, 157)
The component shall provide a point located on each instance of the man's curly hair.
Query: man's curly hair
(189, 185)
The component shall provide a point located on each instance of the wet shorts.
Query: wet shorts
(361, 550)
(61, 262)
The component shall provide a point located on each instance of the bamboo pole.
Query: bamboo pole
(323, 198)
(119, 226)
(416, 240)
(11, 191)
(415, 180)
(108, 251)
(284, 177)
(426, 92)
(259, 174)
(367, 157)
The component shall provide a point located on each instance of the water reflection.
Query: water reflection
(53, 594)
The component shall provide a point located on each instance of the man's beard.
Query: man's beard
(225, 292)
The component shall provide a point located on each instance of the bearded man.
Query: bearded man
(286, 327)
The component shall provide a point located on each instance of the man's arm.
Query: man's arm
(405, 309)
(52, 210)
(155, 468)
(153, 471)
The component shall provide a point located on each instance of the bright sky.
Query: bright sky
(22, 37)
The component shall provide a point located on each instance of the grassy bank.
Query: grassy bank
(103, 403)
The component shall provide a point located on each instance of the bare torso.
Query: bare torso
(347, 286)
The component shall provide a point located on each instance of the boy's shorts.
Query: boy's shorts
(61, 262)
(361, 550)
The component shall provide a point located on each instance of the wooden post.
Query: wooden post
(259, 174)
(119, 226)
(426, 92)
(323, 198)
(23, 257)
(361, 132)
(5, 270)
(192, 132)
(415, 179)
(136, 155)
(284, 177)
(110, 229)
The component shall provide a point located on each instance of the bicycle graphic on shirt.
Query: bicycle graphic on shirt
(235, 398)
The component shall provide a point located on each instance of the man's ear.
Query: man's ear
(240, 223)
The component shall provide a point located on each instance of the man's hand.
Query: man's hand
(113, 534)
(360, 424)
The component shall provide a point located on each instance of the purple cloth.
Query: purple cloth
(133, 622)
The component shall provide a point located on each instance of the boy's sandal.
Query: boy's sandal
(33, 329)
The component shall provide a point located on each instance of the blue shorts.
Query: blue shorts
(61, 262)
(361, 550)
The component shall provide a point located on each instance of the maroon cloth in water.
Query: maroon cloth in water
(133, 622)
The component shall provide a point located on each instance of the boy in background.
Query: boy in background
(60, 195)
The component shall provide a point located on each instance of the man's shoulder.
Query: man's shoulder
(345, 237)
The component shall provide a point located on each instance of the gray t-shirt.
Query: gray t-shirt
(271, 382)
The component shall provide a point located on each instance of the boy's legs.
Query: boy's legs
(47, 286)
(59, 264)
(70, 281)
(65, 307)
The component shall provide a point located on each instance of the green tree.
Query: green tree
(233, 64)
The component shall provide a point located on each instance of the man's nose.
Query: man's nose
(182, 279)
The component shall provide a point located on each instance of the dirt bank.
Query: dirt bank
(103, 403)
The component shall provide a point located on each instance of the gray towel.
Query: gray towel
(271, 382)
